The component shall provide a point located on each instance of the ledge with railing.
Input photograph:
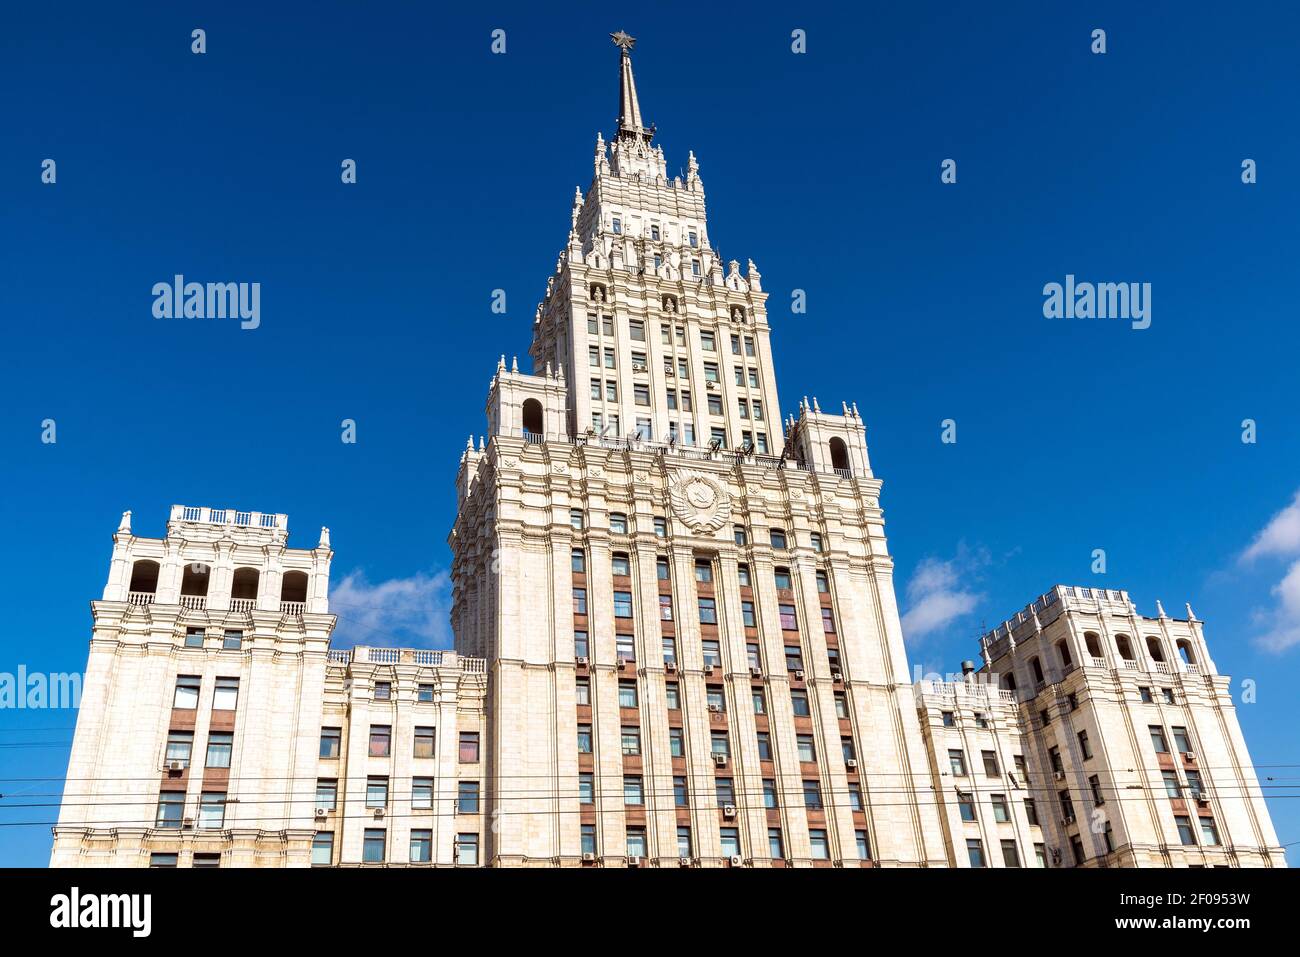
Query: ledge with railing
(423, 657)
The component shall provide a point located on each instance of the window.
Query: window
(789, 621)
(718, 743)
(1108, 838)
(1001, 813)
(747, 614)
(828, 620)
(661, 531)
(631, 736)
(841, 705)
(739, 535)
(609, 359)
(383, 690)
(625, 647)
(1094, 782)
(1084, 748)
(764, 746)
(232, 640)
(712, 652)
(1181, 741)
(1054, 755)
(584, 739)
(707, 342)
(948, 719)
(695, 267)
(193, 637)
(815, 538)
(618, 523)
(820, 846)
(636, 330)
(179, 745)
(424, 693)
(372, 848)
(1185, 833)
(633, 791)
(729, 841)
(975, 851)
(684, 842)
(760, 701)
(627, 694)
(467, 797)
(799, 701)
(636, 842)
(641, 394)
(1169, 695)
(622, 604)
(774, 846)
(693, 238)
(793, 658)
(1067, 806)
(863, 845)
(966, 806)
(715, 405)
(1010, 857)
(381, 738)
(855, 796)
(742, 574)
(778, 539)
(226, 695)
(782, 576)
(589, 839)
(424, 742)
(1172, 788)
(586, 788)
(716, 701)
(620, 565)
(769, 794)
(807, 753)
(329, 742)
(676, 743)
(322, 848)
(187, 692)
(672, 696)
(1040, 855)
(578, 560)
(1145, 695)
(990, 763)
(661, 569)
(1031, 811)
(1209, 832)
(421, 846)
(171, 807)
(1194, 786)
(580, 644)
(1158, 739)
(703, 570)
(469, 747)
(220, 745)
(575, 518)
(618, 225)
(708, 612)
(422, 794)
(376, 792)
(163, 860)
(812, 795)
(957, 762)
(212, 810)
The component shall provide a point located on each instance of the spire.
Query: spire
(629, 108)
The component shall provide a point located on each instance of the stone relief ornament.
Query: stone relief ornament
(699, 501)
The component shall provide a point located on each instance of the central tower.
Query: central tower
(686, 604)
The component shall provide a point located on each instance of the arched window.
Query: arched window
(533, 424)
(144, 577)
(194, 581)
(839, 454)
(1063, 650)
(1037, 668)
(1008, 681)
(293, 587)
(1153, 647)
(244, 585)
(1185, 651)
(1093, 642)
(1124, 647)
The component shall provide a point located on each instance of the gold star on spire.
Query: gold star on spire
(623, 41)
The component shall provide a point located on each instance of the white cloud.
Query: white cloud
(1281, 536)
(1284, 621)
(937, 596)
(408, 612)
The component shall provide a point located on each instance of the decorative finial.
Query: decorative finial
(1191, 615)
(1160, 610)
(623, 41)
(125, 524)
(514, 363)
(324, 537)
(501, 363)
(856, 415)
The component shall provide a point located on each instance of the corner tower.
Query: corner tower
(686, 605)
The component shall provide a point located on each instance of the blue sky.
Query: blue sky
(924, 299)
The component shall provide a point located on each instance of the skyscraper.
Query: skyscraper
(686, 604)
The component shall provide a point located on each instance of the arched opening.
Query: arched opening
(1037, 668)
(1185, 652)
(1153, 648)
(1093, 642)
(1063, 650)
(533, 418)
(293, 587)
(1008, 682)
(839, 454)
(194, 585)
(144, 581)
(1124, 647)
(243, 589)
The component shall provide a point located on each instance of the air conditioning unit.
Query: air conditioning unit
(379, 813)
(320, 813)
(1059, 775)
(799, 675)
(670, 666)
(756, 672)
(715, 708)
(720, 760)
(836, 676)
(583, 661)
(589, 858)
(622, 664)
(1189, 755)
(684, 861)
(711, 386)
(737, 860)
(188, 824)
(635, 861)
(668, 370)
(1067, 820)
(639, 368)
(728, 810)
(708, 669)
(851, 763)
(175, 765)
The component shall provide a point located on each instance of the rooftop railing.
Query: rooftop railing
(424, 657)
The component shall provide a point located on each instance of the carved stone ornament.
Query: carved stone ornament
(700, 502)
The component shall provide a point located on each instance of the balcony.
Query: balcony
(293, 609)
(139, 598)
(194, 602)
(243, 605)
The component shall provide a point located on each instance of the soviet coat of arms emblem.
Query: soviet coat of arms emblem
(699, 501)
